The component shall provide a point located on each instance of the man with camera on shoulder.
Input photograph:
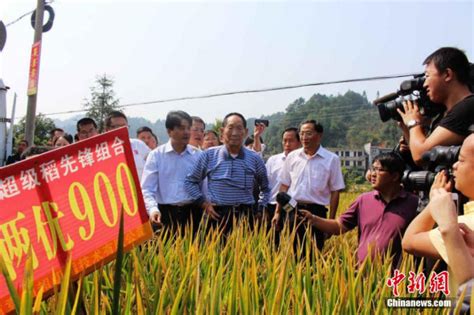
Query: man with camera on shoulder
(446, 82)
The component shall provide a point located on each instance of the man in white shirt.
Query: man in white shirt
(117, 119)
(166, 200)
(290, 142)
(197, 132)
(312, 176)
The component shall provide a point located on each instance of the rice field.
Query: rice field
(244, 275)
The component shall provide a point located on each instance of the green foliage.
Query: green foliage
(355, 179)
(349, 121)
(217, 126)
(102, 100)
(43, 126)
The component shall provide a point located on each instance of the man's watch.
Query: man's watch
(412, 123)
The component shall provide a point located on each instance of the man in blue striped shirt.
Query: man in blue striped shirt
(231, 171)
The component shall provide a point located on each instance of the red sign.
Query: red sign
(68, 202)
(34, 68)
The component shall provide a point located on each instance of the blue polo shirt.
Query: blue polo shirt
(230, 179)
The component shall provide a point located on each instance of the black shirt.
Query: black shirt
(13, 158)
(460, 118)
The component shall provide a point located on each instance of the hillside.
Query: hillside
(349, 120)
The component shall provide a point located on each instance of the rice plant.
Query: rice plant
(245, 274)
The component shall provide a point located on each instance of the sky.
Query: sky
(167, 49)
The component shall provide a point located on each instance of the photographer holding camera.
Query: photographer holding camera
(453, 239)
(446, 82)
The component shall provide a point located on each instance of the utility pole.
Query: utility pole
(3, 122)
(32, 95)
(9, 146)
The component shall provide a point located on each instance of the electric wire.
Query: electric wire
(25, 15)
(262, 90)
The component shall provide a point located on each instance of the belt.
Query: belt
(176, 206)
(309, 206)
(233, 208)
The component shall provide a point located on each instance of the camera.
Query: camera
(418, 180)
(437, 159)
(441, 156)
(262, 121)
(413, 89)
(409, 90)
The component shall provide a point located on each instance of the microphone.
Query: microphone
(386, 98)
(286, 201)
(408, 86)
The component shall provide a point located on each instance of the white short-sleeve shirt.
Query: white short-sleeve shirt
(311, 179)
(140, 153)
(274, 167)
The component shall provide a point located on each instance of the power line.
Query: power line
(19, 18)
(288, 87)
(26, 14)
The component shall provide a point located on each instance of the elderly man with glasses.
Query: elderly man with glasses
(231, 171)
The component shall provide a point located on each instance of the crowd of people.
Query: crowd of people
(202, 175)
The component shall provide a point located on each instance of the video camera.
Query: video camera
(437, 159)
(412, 90)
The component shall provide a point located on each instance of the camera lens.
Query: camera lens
(418, 181)
(388, 110)
(441, 155)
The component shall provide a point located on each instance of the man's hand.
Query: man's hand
(403, 145)
(411, 112)
(209, 209)
(155, 218)
(442, 208)
(441, 181)
(468, 236)
(307, 216)
(276, 220)
(258, 130)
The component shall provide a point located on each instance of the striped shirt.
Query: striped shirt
(230, 180)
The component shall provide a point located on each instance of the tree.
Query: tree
(102, 100)
(43, 126)
(217, 126)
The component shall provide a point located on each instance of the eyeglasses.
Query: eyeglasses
(307, 134)
(378, 169)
